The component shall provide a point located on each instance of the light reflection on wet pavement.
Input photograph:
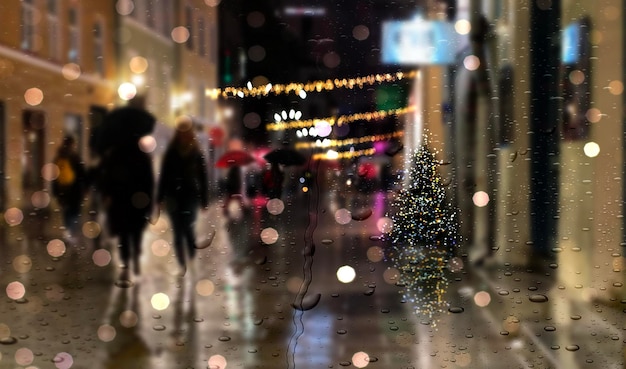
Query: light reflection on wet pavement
(256, 298)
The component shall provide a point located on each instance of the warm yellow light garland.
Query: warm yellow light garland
(350, 141)
(342, 154)
(368, 116)
(315, 86)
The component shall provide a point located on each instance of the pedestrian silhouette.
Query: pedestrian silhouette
(127, 183)
(273, 179)
(183, 188)
(69, 186)
(234, 183)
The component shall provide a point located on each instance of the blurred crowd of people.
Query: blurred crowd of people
(123, 187)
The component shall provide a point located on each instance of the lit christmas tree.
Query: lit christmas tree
(424, 234)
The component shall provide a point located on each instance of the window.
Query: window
(189, 23)
(201, 37)
(54, 46)
(98, 48)
(73, 51)
(28, 25)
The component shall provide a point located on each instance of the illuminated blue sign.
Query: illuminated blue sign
(570, 44)
(419, 42)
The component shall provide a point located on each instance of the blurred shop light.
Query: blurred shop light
(591, 149)
(419, 42)
(127, 91)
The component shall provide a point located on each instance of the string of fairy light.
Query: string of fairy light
(301, 89)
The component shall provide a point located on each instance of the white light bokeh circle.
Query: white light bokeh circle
(346, 274)
(126, 91)
(591, 149)
(160, 301)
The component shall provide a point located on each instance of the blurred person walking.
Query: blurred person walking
(69, 186)
(183, 189)
(127, 180)
(273, 179)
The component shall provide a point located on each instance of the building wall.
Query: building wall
(68, 92)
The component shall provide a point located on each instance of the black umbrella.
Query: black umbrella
(122, 126)
(284, 156)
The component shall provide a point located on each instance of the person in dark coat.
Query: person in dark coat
(183, 189)
(127, 186)
(69, 186)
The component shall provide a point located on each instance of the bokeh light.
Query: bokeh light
(360, 359)
(252, 120)
(71, 71)
(106, 333)
(346, 274)
(160, 301)
(147, 144)
(40, 199)
(462, 26)
(101, 257)
(24, 356)
(616, 87)
(384, 224)
(591, 149)
(323, 128)
(160, 247)
(91, 229)
(15, 290)
(275, 206)
(593, 115)
(63, 360)
(482, 298)
(361, 32)
(128, 319)
(294, 284)
(212, 3)
(577, 77)
(50, 171)
(56, 248)
(331, 60)
(22, 263)
(180, 34)
(256, 53)
(138, 64)
(471, 62)
(205, 287)
(343, 216)
(127, 91)
(13, 216)
(33, 96)
(480, 198)
(124, 7)
(269, 235)
(375, 254)
(216, 362)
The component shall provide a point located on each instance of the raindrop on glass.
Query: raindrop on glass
(538, 298)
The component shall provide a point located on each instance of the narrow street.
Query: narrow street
(264, 292)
